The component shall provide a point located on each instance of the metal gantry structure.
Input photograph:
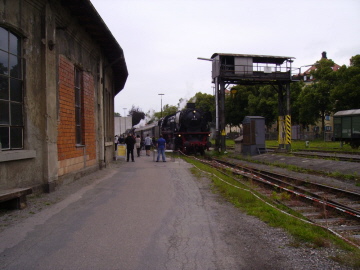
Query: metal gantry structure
(245, 69)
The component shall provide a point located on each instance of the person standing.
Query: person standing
(138, 145)
(121, 140)
(116, 140)
(148, 143)
(161, 146)
(130, 142)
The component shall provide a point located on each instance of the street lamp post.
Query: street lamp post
(125, 117)
(161, 103)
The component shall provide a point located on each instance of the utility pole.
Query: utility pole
(125, 117)
(161, 104)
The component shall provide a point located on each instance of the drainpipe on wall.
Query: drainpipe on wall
(50, 160)
(103, 103)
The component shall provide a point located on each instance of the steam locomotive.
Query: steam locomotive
(187, 130)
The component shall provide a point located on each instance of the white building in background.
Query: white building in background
(121, 124)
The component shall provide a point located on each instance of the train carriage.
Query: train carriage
(347, 127)
(152, 130)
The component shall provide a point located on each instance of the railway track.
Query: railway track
(336, 156)
(341, 156)
(335, 209)
(330, 152)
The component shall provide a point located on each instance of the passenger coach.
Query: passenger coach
(347, 127)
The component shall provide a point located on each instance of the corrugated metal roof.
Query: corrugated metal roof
(91, 21)
(348, 112)
(258, 58)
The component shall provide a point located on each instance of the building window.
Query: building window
(11, 91)
(327, 117)
(78, 107)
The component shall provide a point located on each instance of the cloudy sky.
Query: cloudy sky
(162, 39)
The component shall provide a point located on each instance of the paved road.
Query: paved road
(143, 215)
(147, 215)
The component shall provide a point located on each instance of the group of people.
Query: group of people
(131, 141)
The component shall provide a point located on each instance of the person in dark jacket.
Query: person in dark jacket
(130, 142)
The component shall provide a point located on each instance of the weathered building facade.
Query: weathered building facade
(60, 69)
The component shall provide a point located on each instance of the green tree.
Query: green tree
(116, 114)
(150, 117)
(295, 105)
(308, 111)
(167, 110)
(346, 94)
(204, 102)
(263, 102)
(182, 103)
(251, 100)
(316, 98)
(236, 105)
(355, 61)
(136, 115)
(170, 109)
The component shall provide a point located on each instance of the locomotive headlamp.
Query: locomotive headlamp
(194, 111)
(179, 135)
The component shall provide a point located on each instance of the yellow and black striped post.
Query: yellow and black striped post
(288, 132)
(284, 136)
(281, 128)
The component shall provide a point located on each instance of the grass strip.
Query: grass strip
(303, 233)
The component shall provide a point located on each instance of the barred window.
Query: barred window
(11, 91)
(78, 107)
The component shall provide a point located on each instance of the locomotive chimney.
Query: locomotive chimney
(190, 105)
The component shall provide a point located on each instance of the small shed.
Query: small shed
(254, 135)
(347, 124)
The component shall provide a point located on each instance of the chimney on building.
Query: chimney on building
(324, 55)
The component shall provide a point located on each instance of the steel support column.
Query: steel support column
(217, 135)
(222, 116)
(288, 118)
(284, 119)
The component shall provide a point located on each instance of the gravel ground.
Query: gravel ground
(349, 185)
(270, 248)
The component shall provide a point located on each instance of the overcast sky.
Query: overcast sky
(162, 39)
